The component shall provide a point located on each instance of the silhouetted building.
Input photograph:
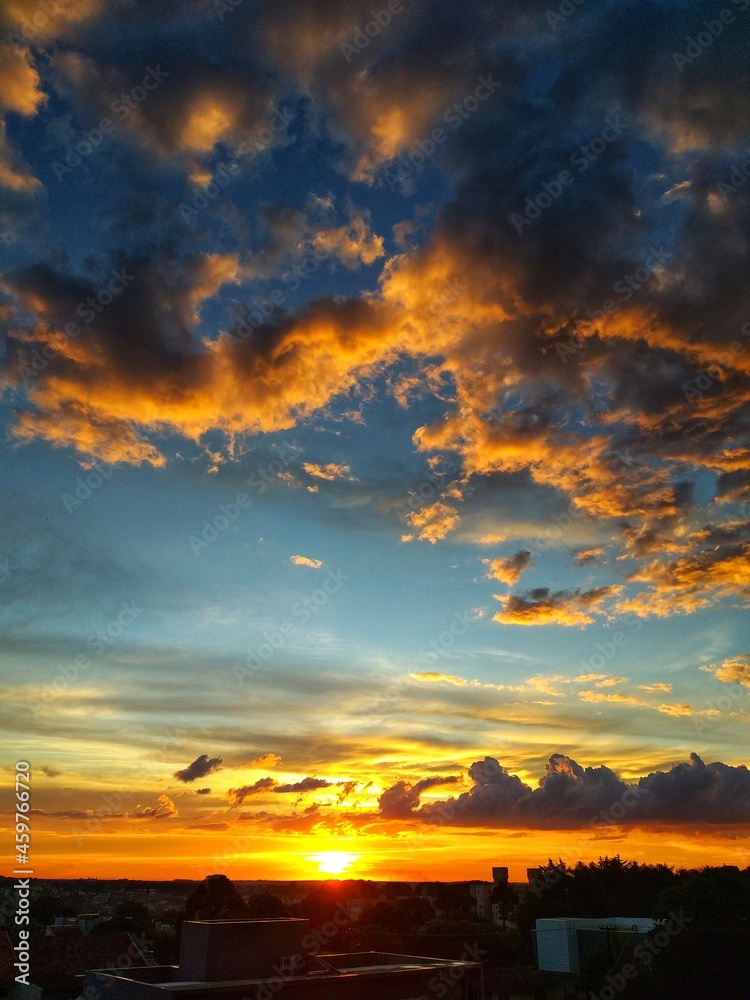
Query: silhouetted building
(500, 875)
(264, 959)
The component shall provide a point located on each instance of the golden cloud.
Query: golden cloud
(329, 472)
(735, 670)
(305, 561)
(432, 522)
(438, 678)
(20, 86)
(509, 570)
(541, 607)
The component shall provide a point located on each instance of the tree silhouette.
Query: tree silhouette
(215, 899)
(505, 897)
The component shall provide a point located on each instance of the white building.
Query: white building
(560, 940)
(482, 893)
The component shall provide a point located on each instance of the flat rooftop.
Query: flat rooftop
(243, 960)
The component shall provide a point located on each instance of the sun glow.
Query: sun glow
(334, 862)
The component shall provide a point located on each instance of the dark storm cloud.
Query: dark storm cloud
(402, 798)
(238, 795)
(200, 768)
(570, 796)
(305, 785)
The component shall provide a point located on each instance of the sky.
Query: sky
(373, 400)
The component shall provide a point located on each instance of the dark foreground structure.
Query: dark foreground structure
(265, 959)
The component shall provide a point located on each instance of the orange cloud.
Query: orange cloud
(20, 86)
(49, 21)
(596, 697)
(432, 522)
(305, 561)
(717, 567)
(589, 555)
(541, 607)
(509, 570)
(735, 670)
(328, 472)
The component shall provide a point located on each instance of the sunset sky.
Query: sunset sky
(375, 462)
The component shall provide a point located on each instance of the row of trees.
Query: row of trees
(701, 950)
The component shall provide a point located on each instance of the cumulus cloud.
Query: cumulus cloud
(589, 555)
(717, 565)
(401, 799)
(570, 796)
(734, 670)
(564, 607)
(432, 522)
(305, 785)
(238, 795)
(200, 768)
(511, 569)
(164, 809)
(266, 760)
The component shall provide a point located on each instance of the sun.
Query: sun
(333, 862)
